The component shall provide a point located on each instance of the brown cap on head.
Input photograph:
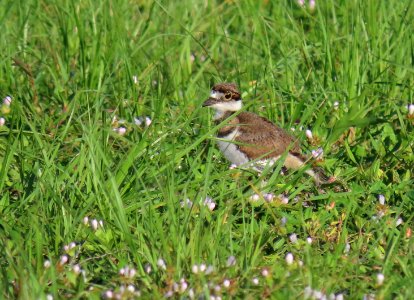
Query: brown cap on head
(225, 87)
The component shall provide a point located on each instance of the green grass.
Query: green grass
(69, 67)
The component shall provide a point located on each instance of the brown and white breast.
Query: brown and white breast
(230, 150)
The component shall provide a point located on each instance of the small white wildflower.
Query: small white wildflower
(138, 121)
(63, 260)
(49, 297)
(255, 281)
(168, 294)
(101, 223)
(317, 294)
(312, 4)
(307, 293)
(331, 296)
(132, 273)
(293, 238)
(108, 294)
(254, 197)
(195, 269)
(209, 203)
(399, 222)
(47, 264)
(301, 3)
(85, 220)
(339, 297)
(300, 263)
(147, 268)
(72, 245)
(183, 285)
(283, 221)
(202, 267)
(94, 224)
(292, 129)
(410, 108)
(7, 100)
(121, 130)
(231, 261)
(135, 79)
(232, 166)
(309, 240)
(192, 57)
(209, 270)
(381, 199)
(66, 248)
(148, 121)
(131, 288)
(226, 283)
(268, 197)
(186, 203)
(347, 248)
(2, 121)
(380, 278)
(191, 293)
(284, 200)
(265, 272)
(122, 271)
(77, 269)
(317, 154)
(309, 134)
(217, 288)
(289, 258)
(161, 263)
(336, 105)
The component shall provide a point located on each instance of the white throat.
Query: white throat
(222, 107)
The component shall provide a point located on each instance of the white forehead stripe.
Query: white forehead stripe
(216, 95)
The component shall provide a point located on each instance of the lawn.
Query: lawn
(112, 185)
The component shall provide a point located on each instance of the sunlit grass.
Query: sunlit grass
(103, 140)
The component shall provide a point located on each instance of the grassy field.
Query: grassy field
(111, 183)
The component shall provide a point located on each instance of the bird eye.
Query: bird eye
(227, 96)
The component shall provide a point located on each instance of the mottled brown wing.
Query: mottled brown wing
(260, 138)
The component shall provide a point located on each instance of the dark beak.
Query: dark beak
(209, 102)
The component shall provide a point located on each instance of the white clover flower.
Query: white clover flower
(138, 121)
(289, 258)
(121, 130)
(2, 121)
(399, 222)
(339, 297)
(209, 203)
(226, 283)
(309, 240)
(336, 105)
(301, 3)
(217, 288)
(202, 267)
(47, 264)
(49, 297)
(183, 285)
(86, 220)
(77, 269)
(135, 79)
(66, 248)
(231, 261)
(186, 203)
(309, 134)
(209, 270)
(148, 121)
(94, 224)
(265, 272)
(131, 288)
(161, 264)
(380, 278)
(347, 248)
(317, 154)
(381, 199)
(132, 273)
(72, 245)
(284, 200)
(255, 280)
(268, 197)
(293, 238)
(254, 197)
(147, 268)
(7, 100)
(108, 294)
(192, 57)
(410, 108)
(195, 269)
(307, 293)
(232, 166)
(191, 293)
(283, 221)
(63, 260)
(312, 4)
(169, 294)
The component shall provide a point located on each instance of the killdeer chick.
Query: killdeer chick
(247, 139)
